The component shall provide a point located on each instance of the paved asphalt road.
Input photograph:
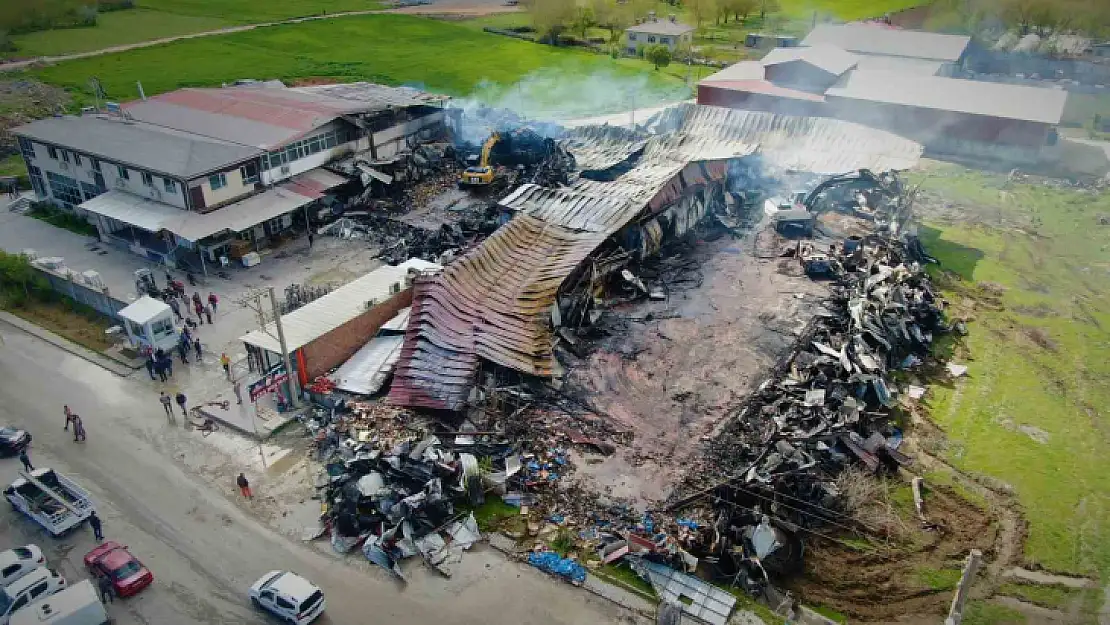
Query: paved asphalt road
(203, 549)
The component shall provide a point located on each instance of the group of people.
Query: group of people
(180, 302)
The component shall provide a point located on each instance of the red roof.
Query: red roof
(277, 107)
(763, 87)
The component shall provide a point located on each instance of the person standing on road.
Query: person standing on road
(165, 401)
(160, 369)
(25, 460)
(197, 347)
(244, 486)
(69, 416)
(167, 362)
(181, 402)
(104, 586)
(225, 362)
(94, 523)
(199, 308)
(78, 430)
(238, 388)
(213, 301)
(150, 365)
(183, 351)
(175, 307)
(208, 315)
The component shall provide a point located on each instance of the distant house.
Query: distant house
(668, 32)
(1101, 49)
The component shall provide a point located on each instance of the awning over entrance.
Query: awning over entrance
(155, 216)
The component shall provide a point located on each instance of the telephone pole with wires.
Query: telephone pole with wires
(254, 301)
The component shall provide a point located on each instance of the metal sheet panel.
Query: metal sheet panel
(366, 371)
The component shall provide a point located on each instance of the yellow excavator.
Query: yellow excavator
(482, 174)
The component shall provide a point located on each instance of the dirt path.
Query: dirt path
(473, 8)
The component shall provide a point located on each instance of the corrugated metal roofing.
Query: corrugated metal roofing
(317, 318)
(920, 67)
(380, 96)
(145, 146)
(830, 59)
(766, 87)
(366, 371)
(889, 41)
(1020, 102)
(495, 302)
(258, 116)
(744, 70)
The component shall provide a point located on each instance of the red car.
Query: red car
(113, 560)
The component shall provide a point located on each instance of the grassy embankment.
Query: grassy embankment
(1031, 264)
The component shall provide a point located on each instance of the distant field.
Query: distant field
(1032, 411)
(112, 29)
(251, 11)
(393, 49)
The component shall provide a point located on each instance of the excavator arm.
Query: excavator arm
(487, 148)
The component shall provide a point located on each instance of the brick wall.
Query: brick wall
(335, 347)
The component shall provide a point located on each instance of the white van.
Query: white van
(31, 588)
(15, 563)
(77, 605)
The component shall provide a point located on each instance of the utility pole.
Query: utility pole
(293, 401)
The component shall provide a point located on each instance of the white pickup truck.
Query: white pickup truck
(51, 499)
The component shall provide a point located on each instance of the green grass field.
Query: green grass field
(392, 49)
(253, 11)
(1035, 272)
(112, 29)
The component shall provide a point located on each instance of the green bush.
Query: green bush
(59, 218)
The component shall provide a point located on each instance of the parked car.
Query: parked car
(77, 605)
(288, 596)
(113, 560)
(15, 563)
(12, 440)
(36, 585)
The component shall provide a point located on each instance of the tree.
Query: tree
(658, 54)
(700, 10)
(612, 16)
(741, 9)
(768, 6)
(550, 17)
(583, 19)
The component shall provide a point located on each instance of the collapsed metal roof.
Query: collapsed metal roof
(495, 302)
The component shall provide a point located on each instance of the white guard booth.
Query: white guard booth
(149, 323)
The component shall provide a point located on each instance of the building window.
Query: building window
(249, 172)
(162, 327)
(36, 181)
(651, 39)
(277, 159)
(99, 179)
(95, 164)
(64, 189)
(170, 185)
(27, 149)
(664, 40)
(76, 159)
(65, 155)
(273, 226)
(90, 191)
(52, 151)
(148, 179)
(122, 172)
(632, 36)
(217, 181)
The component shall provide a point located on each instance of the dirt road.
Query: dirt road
(205, 548)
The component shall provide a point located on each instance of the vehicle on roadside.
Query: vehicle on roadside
(32, 587)
(290, 597)
(12, 440)
(51, 499)
(15, 563)
(77, 605)
(112, 560)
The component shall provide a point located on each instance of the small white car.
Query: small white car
(15, 563)
(290, 597)
(31, 588)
